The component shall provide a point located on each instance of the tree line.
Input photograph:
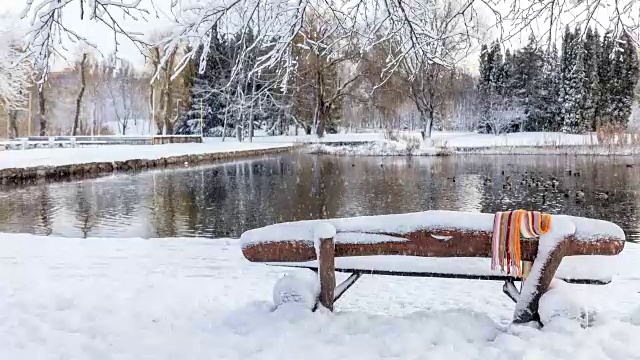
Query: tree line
(588, 85)
(333, 82)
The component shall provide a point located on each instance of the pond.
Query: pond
(224, 200)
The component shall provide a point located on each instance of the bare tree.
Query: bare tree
(327, 70)
(41, 115)
(167, 88)
(83, 85)
(428, 77)
(15, 73)
(120, 78)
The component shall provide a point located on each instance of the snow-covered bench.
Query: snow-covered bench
(436, 244)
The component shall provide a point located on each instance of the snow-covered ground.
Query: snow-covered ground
(373, 144)
(526, 139)
(134, 127)
(199, 299)
(106, 153)
(468, 142)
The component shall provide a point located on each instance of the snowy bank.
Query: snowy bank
(445, 143)
(199, 298)
(378, 148)
(112, 153)
(28, 165)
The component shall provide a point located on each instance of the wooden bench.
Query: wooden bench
(441, 244)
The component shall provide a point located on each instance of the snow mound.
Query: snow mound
(560, 303)
(325, 230)
(302, 288)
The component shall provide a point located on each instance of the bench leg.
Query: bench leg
(327, 273)
(535, 286)
(510, 289)
(345, 285)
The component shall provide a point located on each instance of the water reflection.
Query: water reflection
(227, 199)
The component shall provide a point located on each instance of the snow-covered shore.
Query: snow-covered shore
(199, 298)
(442, 143)
(109, 153)
(447, 143)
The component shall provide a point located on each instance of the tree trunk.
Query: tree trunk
(83, 85)
(429, 125)
(251, 115)
(41, 111)
(152, 109)
(169, 94)
(13, 123)
(224, 124)
(161, 111)
(168, 127)
(322, 119)
(239, 128)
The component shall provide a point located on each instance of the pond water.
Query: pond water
(225, 200)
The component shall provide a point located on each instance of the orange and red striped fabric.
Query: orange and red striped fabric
(508, 227)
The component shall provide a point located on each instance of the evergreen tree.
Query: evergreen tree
(550, 110)
(527, 84)
(623, 81)
(590, 81)
(605, 72)
(207, 92)
(572, 81)
(495, 89)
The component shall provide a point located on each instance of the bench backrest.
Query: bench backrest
(426, 234)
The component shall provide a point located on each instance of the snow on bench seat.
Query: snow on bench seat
(574, 269)
(430, 242)
(586, 229)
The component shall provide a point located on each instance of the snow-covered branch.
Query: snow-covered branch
(15, 70)
(368, 21)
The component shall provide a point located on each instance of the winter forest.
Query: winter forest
(328, 72)
(588, 85)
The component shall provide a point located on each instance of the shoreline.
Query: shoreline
(89, 170)
(384, 150)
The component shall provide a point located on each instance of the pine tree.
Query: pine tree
(590, 81)
(572, 81)
(603, 100)
(550, 110)
(207, 95)
(527, 84)
(623, 81)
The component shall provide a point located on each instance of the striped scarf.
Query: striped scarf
(508, 226)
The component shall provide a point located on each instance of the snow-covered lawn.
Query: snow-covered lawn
(199, 299)
(467, 142)
(525, 139)
(106, 153)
